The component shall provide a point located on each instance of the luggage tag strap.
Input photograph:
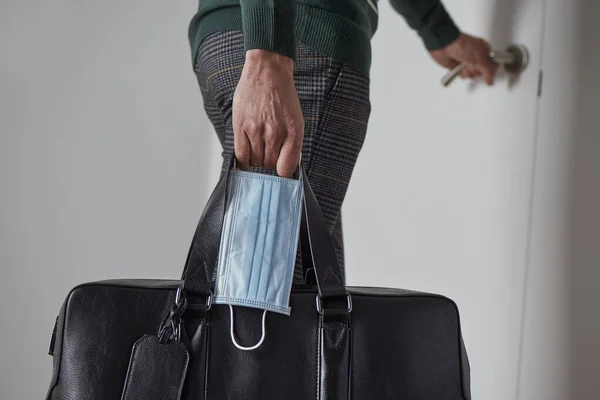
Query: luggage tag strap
(156, 370)
(158, 363)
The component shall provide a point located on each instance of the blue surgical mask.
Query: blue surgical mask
(258, 244)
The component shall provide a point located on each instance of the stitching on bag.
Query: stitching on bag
(334, 275)
(325, 284)
(325, 277)
(341, 329)
(319, 359)
(207, 355)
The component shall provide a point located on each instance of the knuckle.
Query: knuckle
(252, 128)
(294, 133)
(291, 135)
(271, 134)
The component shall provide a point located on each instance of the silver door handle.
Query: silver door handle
(514, 59)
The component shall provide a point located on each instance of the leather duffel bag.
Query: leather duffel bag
(163, 339)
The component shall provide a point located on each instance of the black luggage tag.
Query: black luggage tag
(156, 370)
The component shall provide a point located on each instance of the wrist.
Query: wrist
(259, 58)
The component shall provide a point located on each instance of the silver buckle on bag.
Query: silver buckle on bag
(320, 304)
(192, 307)
(177, 328)
(170, 328)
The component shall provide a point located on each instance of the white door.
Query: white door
(441, 196)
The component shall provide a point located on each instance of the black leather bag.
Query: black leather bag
(164, 340)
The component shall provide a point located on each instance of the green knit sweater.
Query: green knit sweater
(340, 29)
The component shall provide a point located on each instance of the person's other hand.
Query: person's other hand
(268, 126)
(474, 52)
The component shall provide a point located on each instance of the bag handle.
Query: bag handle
(201, 264)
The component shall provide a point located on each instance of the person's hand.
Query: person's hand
(474, 52)
(268, 126)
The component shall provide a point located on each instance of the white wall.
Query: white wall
(406, 169)
(440, 200)
(104, 157)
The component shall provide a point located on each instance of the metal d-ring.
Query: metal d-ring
(170, 328)
(320, 303)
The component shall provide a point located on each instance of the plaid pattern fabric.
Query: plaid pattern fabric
(335, 105)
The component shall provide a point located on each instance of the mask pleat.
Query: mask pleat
(267, 283)
(242, 245)
(263, 187)
(267, 235)
(256, 266)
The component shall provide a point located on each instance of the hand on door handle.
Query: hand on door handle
(514, 59)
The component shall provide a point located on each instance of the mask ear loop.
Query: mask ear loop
(262, 339)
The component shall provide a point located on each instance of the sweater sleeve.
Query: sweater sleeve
(270, 25)
(430, 20)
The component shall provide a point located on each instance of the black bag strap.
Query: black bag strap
(201, 264)
(330, 280)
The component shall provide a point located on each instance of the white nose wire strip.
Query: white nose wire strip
(257, 345)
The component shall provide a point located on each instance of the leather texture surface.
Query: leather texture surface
(156, 370)
(391, 344)
(334, 357)
(403, 345)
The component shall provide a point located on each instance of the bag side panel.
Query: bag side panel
(100, 325)
(406, 347)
